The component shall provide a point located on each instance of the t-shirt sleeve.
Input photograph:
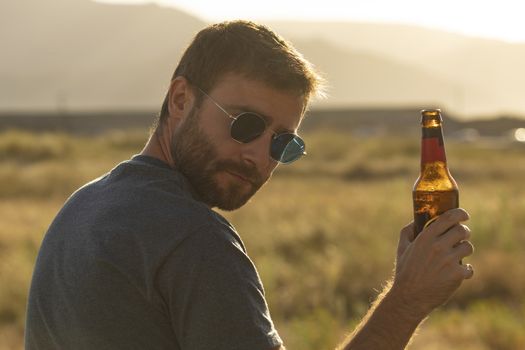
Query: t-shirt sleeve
(214, 295)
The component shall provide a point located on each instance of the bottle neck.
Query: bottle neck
(432, 146)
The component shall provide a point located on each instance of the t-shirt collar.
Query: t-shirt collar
(182, 179)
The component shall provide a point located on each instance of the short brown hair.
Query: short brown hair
(250, 49)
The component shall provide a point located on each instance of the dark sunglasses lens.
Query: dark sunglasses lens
(247, 127)
(286, 148)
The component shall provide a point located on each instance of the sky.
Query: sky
(494, 19)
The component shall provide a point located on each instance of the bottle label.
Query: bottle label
(432, 151)
(432, 145)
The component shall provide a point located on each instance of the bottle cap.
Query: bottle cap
(433, 114)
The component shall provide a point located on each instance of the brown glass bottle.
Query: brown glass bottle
(435, 190)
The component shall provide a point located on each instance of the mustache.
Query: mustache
(248, 172)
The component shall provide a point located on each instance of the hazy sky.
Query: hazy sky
(500, 19)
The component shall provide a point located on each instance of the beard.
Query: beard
(197, 159)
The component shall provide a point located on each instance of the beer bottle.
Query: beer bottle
(435, 190)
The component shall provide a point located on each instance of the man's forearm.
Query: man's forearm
(389, 324)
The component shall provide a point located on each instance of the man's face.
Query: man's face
(225, 173)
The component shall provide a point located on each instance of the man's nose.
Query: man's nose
(257, 152)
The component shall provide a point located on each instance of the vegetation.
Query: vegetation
(323, 232)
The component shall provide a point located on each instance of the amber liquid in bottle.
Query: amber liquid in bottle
(435, 190)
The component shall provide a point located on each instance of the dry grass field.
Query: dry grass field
(322, 233)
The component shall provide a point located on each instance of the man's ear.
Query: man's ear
(180, 99)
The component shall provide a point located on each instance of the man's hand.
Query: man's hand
(428, 271)
(428, 268)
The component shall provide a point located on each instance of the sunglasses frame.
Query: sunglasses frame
(274, 136)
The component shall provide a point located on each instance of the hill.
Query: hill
(81, 55)
(482, 77)
(78, 55)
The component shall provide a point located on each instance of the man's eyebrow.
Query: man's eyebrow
(267, 118)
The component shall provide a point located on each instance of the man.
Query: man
(137, 259)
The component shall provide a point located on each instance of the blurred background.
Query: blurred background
(81, 82)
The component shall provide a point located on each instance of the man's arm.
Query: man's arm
(388, 325)
(428, 271)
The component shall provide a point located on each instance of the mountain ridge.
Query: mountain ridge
(77, 55)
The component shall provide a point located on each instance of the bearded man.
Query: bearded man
(138, 258)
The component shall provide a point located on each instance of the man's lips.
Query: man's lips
(239, 176)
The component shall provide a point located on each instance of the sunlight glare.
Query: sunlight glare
(519, 134)
(468, 17)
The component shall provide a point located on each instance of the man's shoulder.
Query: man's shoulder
(139, 201)
(140, 187)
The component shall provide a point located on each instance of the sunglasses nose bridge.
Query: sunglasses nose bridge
(248, 127)
(258, 152)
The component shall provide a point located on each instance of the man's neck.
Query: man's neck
(158, 147)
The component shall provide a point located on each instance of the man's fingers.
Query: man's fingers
(445, 221)
(454, 235)
(405, 237)
(462, 250)
(407, 233)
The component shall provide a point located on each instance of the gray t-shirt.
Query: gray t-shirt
(134, 261)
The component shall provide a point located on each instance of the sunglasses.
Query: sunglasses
(247, 126)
